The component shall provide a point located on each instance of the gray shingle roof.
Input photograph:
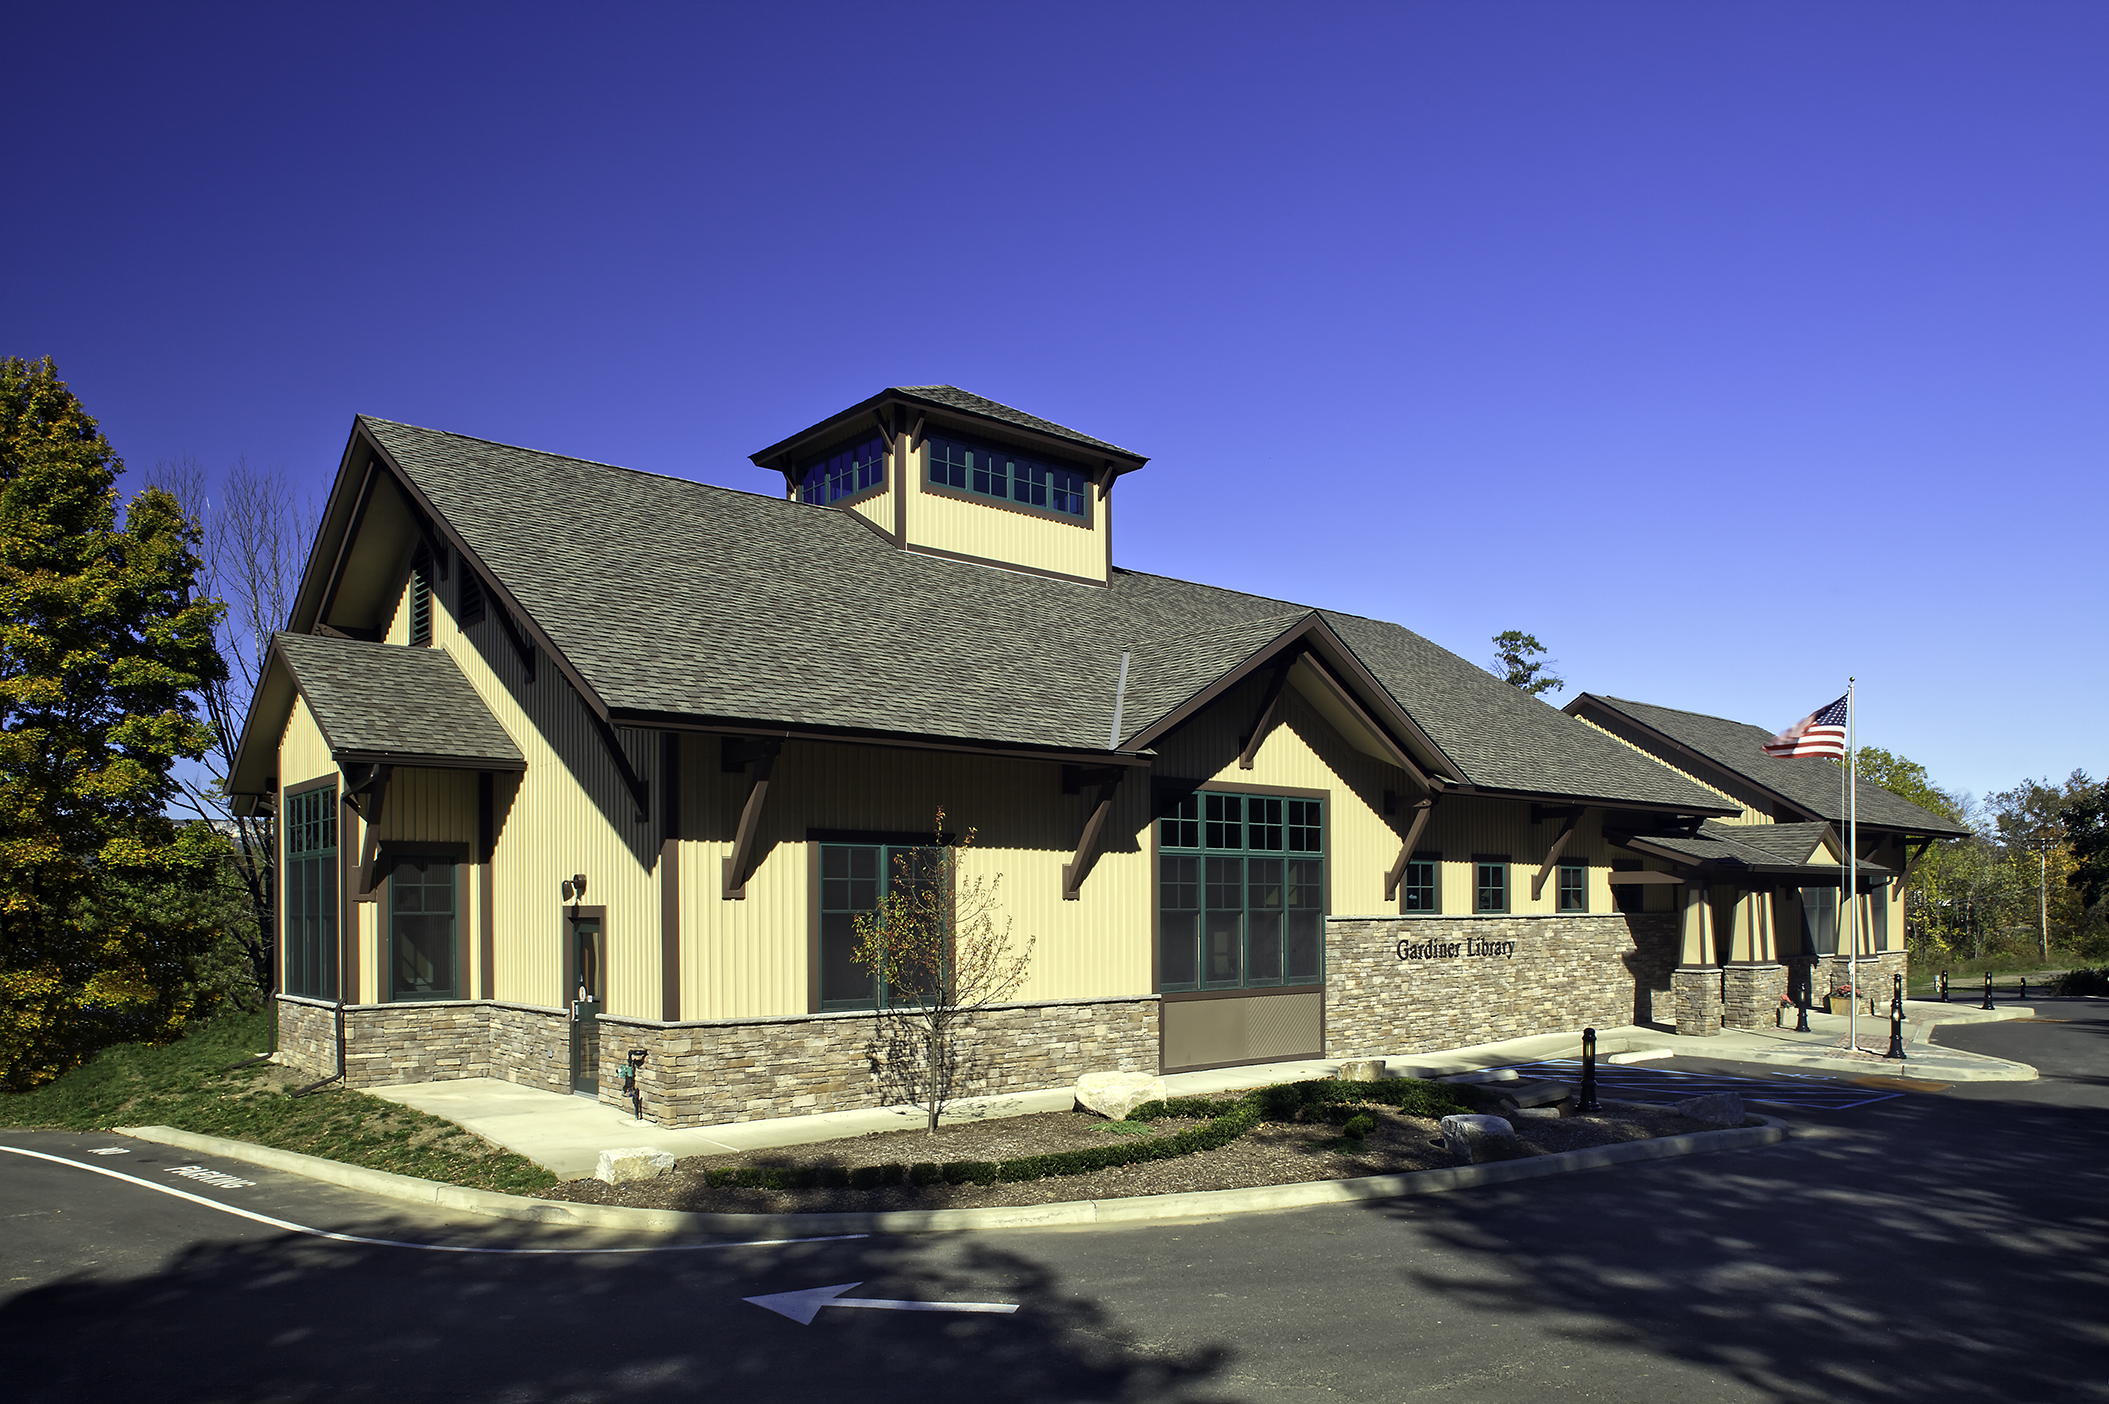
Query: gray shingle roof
(1739, 748)
(374, 699)
(1758, 846)
(675, 597)
(952, 397)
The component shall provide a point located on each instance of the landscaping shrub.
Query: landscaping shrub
(2082, 982)
(1359, 1125)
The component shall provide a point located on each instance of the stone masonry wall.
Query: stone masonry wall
(1457, 986)
(704, 1073)
(1750, 995)
(1877, 974)
(307, 1035)
(530, 1046)
(426, 1041)
(1699, 1000)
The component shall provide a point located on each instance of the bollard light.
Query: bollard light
(1988, 991)
(1587, 1101)
(1896, 1021)
(1801, 1018)
(1944, 987)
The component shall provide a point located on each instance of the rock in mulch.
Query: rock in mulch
(621, 1167)
(1114, 1094)
(1715, 1108)
(1362, 1070)
(1480, 1138)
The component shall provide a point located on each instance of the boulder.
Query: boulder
(620, 1167)
(1541, 1113)
(1114, 1094)
(1481, 1138)
(1720, 1108)
(1537, 1094)
(1362, 1070)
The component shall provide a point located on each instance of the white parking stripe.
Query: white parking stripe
(398, 1243)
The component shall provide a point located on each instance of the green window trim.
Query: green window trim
(854, 878)
(1421, 886)
(1240, 892)
(1490, 884)
(309, 908)
(424, 905)
(1006, 475)
(1572, 889)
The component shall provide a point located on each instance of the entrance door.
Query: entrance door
(585, 979)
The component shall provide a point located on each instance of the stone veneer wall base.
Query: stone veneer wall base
(710, 1072)
(1698, 1000)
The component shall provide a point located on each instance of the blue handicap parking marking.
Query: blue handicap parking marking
(1640, 1083)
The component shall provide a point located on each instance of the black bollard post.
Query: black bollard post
(1944, 987)
(1586, 1102)
(2024, 988)
(1896, 1021)
(1801, 1017)
(1988, 991)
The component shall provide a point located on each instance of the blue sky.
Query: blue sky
(1729, 348)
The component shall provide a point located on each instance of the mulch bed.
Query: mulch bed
(1274, 1153)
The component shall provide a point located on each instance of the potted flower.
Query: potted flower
(1786, 1008)
(1841, 1001)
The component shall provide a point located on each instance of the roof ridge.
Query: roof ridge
(595, 463)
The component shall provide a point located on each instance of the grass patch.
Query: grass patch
(186, 1085)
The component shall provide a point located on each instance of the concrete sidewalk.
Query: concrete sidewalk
(566, 1134)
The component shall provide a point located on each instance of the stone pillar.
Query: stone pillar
(1696, 983)
(1751, 993)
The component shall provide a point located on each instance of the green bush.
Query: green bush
(1222, 1123)
(2082, 982)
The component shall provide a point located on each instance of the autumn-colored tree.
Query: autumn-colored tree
(1516, 663)
(939, 950)
(104, 643)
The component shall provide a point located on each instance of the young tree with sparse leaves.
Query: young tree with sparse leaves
(104, 644)
(940, 951)
(1516, 663)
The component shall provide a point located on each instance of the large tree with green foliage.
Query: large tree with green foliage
(1516, 663)
(104, 643)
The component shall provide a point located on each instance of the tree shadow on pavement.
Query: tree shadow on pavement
(1951, 1247)
(294, 1318)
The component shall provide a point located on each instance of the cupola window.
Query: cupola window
(846, 472)
(994, 472)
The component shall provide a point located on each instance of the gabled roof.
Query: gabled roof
(947, 399)
(1738, 748)
(379, 703)
(1784, 850)
(669, 600)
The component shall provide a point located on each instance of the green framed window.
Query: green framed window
(1008, 474)
(1240, 892)
(1490, 884)
(1574, 888)
(853, 879)
(844, 473)
(1420, 889)
(308, 903)
(422, 905)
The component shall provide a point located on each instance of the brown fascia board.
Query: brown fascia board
(1308, 630)
(777, 457)
(506, 600)
(412, 761)
(275, 692)
(1603, 802)
(325, 557)
(1617, 722)
(734, 726)
(1612, 719)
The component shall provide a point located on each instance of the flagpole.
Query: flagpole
(1852, 854)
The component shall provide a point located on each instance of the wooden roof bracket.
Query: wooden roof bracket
(1421, 811)
(376, 786)
(1270, 703)
(761, 755)
(1552, 855)
(1088, 846)
(522, 645)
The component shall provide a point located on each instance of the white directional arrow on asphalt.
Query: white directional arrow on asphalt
(802, 1307)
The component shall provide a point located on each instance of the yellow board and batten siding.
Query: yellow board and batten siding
(568, 813)
(987, 530)
(754, 957)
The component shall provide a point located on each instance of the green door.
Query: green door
(586, 982)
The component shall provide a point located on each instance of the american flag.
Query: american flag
(1821, 733)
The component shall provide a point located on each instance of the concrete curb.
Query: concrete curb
(1139, 1210)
